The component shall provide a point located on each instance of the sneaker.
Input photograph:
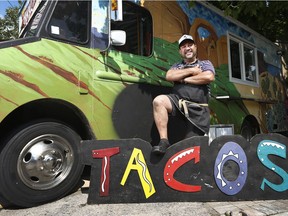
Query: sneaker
(161, 147)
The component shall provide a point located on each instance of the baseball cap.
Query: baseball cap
(185, 37)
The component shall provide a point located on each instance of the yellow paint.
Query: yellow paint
(251, 92)
(137, 162)
(169, 21)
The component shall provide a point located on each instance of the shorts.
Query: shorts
(199, 116)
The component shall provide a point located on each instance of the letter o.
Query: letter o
(230, 151)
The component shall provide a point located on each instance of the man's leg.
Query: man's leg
(161, 108)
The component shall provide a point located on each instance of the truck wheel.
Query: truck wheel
(39, 164)
(5, 203)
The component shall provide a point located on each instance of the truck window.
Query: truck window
(137, 23)
(243, 67)
(250, 64)
(33, 27)
(100, 24)
(69, 21)
(235, 59)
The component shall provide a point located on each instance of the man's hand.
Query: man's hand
(195, 70)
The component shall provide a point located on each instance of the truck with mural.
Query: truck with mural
(85, 70)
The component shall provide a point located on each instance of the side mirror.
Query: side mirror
(118, 37)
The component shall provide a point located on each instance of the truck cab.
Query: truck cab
(80, 70)
(91, 24)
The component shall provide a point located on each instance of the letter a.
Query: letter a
(143, 172)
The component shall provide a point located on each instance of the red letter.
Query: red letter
(105, 172)
(177, 161)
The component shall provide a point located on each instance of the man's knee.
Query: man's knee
(159, 100)
(164, 101)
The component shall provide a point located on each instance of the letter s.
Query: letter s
(265, 148)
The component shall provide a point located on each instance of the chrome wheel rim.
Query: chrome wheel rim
(45, 162)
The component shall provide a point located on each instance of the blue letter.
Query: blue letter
(230, 151)
(265, 148)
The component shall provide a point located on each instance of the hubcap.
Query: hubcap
(45, 162)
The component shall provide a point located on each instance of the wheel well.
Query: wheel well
(252, 121)
(48, 109)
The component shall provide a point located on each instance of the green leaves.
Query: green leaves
(9, 24)
(265, 17)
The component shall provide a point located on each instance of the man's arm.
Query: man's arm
(179, 75)
(202, 78)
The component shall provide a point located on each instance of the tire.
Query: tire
(39, 164)
(5, 203)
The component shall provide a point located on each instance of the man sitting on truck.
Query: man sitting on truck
(190, 94)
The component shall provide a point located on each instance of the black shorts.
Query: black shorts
(175, 109)
(199, 116)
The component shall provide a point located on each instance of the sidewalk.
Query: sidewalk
(76, 204)
(250, 208)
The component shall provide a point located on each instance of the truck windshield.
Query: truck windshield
(33, 26)
(70, 21)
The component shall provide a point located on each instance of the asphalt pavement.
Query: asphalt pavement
(76, 204)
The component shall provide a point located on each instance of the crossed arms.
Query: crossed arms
(191, 75)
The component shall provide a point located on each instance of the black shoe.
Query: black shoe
(161, 148)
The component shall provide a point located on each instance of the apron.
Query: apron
(192, 102)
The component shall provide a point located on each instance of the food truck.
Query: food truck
(85, 70)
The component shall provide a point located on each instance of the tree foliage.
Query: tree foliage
(9, 24)
(268, 18)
